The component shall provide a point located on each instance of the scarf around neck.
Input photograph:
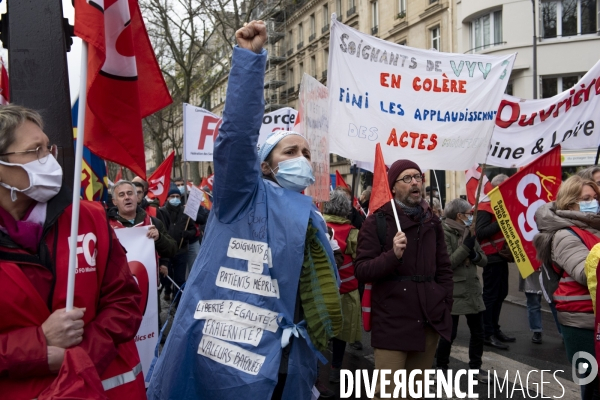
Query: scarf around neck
(27, 232)
(460, 227)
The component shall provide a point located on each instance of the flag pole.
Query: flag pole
(77, 178)
(477, 199)
(437, 184)
(395, 214)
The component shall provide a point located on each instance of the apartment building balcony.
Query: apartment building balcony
(300, 45)
(290, 51)
(324, 74)
(275, 36)
(274, 59)
(351, 11)
(312, 37)
(325, 28)
(274, 83)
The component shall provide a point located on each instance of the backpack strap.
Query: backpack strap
(20, 258)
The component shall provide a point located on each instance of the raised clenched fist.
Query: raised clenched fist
(252, 36)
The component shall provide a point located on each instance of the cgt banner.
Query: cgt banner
(531, 187)
(142, 263)
(201, 127)
(437, 109)
(527, 128)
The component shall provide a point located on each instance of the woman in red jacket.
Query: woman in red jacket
(92, 343)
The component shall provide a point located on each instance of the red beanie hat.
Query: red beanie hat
(398, 167)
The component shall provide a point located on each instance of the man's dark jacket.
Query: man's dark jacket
(165, 246)
(400, 309)
(177, 225)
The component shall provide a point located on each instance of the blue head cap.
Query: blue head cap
(272, 141)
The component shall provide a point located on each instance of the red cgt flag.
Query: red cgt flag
(4, 86)
(525, 191)
(124, 82)
(160, 181)
(381, 189)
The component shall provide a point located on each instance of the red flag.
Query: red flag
(516, 200)
(209, 182)
(77, 379)
(119, 56)
(160, 181)
(339, 181)
(4, 86)
(381, 188)
(298, 125)
(119, 175)
(472, 176)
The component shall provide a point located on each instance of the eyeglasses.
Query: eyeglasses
(409, 178)
(40, 151)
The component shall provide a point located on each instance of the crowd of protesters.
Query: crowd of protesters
(421, 269)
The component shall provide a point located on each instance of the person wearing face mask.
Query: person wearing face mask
(37, 335)
(465, 256)
(182, 229)
(265, 267)
(568, 228)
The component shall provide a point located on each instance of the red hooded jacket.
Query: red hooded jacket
(103, 285)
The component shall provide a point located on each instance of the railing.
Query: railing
(324, 74)
(290, 51)
(312, 37)
(351, 11)
(340, 18)
(300, 45)
(485, 46)
(374, 30)
(325, 28)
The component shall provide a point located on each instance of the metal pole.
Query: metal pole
(77, 178)
(38, 71)
(535, 79)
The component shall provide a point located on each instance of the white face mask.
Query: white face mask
(45, 179)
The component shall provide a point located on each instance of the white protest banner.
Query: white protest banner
(142, 263)
(278, 120)
(314, 123)
(201, 128)
(526, 129)
(192, 204)
(436, 109)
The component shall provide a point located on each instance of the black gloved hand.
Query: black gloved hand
(473, 255)
(469, 242)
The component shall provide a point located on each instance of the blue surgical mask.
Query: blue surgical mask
(175, 201)
(181, 189)
(295, 174)
(589, 206)
(469, 220)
